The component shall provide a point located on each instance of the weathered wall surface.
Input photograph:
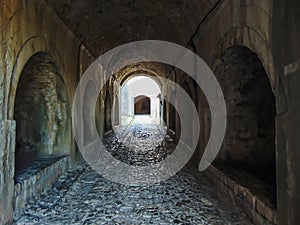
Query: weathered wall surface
(262, 26)
(266, 27)
(42, 108)
(27, 27)
(286, 50)
(7, 142)
(249, 142)
(236, 23)
(107, 24)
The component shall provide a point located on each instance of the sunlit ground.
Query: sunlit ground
(139, 119)
(145, 119)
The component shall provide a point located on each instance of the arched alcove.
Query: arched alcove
(249, 143)
(41, 112)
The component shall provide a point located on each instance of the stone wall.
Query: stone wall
(286, 49)
(235, 24)
(7, 169)
(42, 109)
(32, 184)
(249, 24)
(260, 211)
(270, 30)
(28, 27)
(210, 29)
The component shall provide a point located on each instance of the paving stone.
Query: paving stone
(81, 196)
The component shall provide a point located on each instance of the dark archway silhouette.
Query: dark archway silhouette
(142, 105)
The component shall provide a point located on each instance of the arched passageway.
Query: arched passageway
(142, 105)
(42, 112)
(140, 144)
(140, 95)
(35, 110)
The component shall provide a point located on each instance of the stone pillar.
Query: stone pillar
(7, 169)
(286, 53)
(116, 111)
(288, 155)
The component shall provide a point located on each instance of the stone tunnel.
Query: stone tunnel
(64, 164)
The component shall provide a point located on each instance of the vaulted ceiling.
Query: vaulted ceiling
(105, 24)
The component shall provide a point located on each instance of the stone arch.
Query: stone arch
(252, 39)
(30, 47)
(249, 143)
(154, 91)
(147, 73)
(41, 111)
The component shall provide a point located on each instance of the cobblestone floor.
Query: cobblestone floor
(81, 196)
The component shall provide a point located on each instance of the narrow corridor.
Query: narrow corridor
(82, 196)
(78, 73)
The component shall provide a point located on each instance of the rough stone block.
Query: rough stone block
(7, 146)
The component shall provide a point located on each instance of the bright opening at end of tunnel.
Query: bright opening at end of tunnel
(141, 101)
(140, 107)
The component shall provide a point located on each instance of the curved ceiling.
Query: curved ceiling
(105, 24)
